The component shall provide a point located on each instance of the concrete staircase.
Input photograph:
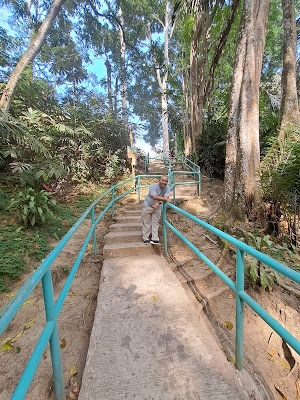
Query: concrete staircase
(148, 342)
(125, 237)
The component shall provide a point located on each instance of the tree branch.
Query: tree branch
(220, 46)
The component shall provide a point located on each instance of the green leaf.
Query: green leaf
(253, 271)
(263, 277)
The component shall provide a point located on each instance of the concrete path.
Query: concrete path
(148, 341)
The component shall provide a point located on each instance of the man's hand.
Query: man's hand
(155, 206)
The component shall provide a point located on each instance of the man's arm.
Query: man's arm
(160, 198)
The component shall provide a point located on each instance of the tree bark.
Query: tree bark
(163, 82)
(109, 91)
(123, 68)
(31, 52)
(289, 109)
(194, 80)
(242, 147)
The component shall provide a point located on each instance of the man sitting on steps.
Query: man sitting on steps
(158, 192)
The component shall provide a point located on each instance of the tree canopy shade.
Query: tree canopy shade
(197, 75)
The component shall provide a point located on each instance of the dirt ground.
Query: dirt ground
(271, 360)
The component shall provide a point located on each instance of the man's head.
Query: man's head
(163, 181)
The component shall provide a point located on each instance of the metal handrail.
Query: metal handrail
(195, 171)
(238, 287)
(43, 273)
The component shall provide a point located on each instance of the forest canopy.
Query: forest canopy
(76, 77)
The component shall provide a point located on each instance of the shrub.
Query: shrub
(33, 207)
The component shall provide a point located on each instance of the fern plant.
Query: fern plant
(33, 207)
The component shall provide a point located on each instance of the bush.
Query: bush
(33, 207)
(212, 145)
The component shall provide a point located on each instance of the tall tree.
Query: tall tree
(289, 109)
(242, 147)
(31, 52)
(162, 73)
(123, 66)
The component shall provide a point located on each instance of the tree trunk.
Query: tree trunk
(116, 96)
(242, 147)
(123, 68)
(188, 150)
(31, 52)
(163, 82)
(109, 91)
(194, 80)
(289, 109)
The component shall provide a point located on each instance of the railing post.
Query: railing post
(113, 201)
(54, 339)
(184, 163)
(239, 310)
(139, 181)
(199, 184)
(94, 231)
(174, 188)
(165, 227)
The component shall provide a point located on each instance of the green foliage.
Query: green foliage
(16, 243)
(33, 207)
(280, 179)
(212, 145)
(258, 273)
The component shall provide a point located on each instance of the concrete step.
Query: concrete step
(137, 211)
(130, 218)
(149, 343)
(114, 250)
(123, 236)
(128, 226)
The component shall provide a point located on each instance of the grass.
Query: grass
(18, 243)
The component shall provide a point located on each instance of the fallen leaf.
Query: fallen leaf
(72, 396)
(231, 359)
(75, 388)
(203, 287)
(75, 294)
(280, 392)
(17, 336)
(17, 349)
(73, 371)
(17, 238)
(36, 245)
(31, 322)
(6, 346)
(28, 302)
(228, 325)
(285, 363)
(63, 343)
(298, 388)
(45, 355)
(198, 297)
(230, 296)
(10, 295)
(272, 353)
(154, 298)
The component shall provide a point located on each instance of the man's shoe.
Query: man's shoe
(154, 241)
(147, 241)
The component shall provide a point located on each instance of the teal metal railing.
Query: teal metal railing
(43, 273)
(238, 287)
(52, 309)
(194, 171)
